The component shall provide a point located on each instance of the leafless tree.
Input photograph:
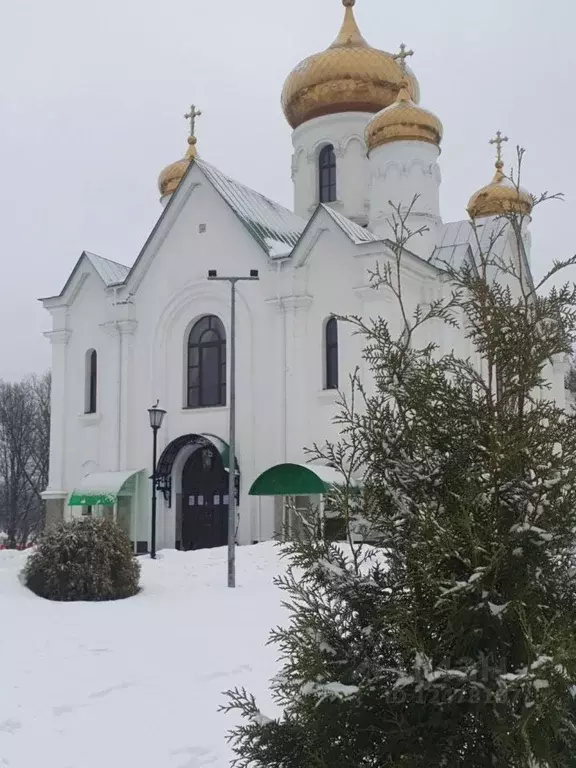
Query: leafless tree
(24, 454)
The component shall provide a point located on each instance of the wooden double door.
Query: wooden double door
(204, 500)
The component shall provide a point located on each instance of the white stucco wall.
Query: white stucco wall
(406, 174)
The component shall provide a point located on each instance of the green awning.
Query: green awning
(102, 488)
(297, 480)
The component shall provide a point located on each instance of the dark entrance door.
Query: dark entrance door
(204, 500)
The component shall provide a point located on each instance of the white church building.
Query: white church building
(126, 337)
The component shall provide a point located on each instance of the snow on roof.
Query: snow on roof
(277, 248)
(274, 227)
(354, 231)
(106, 482)
(111, 272)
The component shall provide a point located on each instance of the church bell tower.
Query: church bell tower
(328, 100)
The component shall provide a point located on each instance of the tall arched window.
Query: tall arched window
(207, 363)
(331, 351)
(91, 382)
(327, 174)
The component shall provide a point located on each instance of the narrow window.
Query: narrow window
(91, 382)
(327, 174)
(331, 350)
(206, 376)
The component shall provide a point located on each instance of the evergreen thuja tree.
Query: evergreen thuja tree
(451, 639)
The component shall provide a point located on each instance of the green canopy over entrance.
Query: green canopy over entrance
(101, 488)
(297, 480)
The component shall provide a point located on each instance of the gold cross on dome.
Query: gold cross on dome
(499, 140)
(402, 56)
(192, 115)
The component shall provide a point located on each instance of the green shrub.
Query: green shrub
(87, 559)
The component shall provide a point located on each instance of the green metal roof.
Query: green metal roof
(102, 488)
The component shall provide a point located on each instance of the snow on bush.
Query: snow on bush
(87, 559)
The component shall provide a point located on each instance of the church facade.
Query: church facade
(126, 337)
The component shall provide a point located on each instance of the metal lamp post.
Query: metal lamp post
(156, 418)
(213, 275)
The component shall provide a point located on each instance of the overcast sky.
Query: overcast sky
(92, 96)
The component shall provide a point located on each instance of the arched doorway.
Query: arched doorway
(192, 475)
(204, 500)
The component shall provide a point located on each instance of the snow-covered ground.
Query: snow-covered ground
(136, 683)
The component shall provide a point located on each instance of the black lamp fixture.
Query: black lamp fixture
(156, 418)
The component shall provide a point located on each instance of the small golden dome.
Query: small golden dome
(349, 76)
(403, 121)
(172, 175)
(501, 196)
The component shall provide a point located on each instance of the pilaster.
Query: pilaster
(123, 329)
(60, 339)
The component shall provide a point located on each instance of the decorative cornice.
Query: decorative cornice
(127, 327)
(294, 302)
(382, 215)
(61, 336)
(369, 293)
(49, 494)
(122, 327)
(427, 168)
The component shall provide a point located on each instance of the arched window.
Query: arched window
(91, 382)
(331, 351)
(207, 363)
(327, 174)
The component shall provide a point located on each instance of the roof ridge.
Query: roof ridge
(247, 188)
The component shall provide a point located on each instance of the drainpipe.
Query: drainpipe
(285, 360)
(284, 385)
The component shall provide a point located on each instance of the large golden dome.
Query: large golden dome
(501, 196)
(403, 121)
(350, 76)
(172, 175)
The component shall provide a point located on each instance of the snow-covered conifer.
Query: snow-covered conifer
(451, 639)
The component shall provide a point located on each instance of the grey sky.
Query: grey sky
(92, 96)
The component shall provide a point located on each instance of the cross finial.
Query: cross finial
(499, 140)
(192, 115)
(402, 56)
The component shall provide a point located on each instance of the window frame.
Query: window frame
(91, 382)
(196, 395)
(327, 179)
(331, 354)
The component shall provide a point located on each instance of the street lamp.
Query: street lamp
(213, 275)
(156, 418)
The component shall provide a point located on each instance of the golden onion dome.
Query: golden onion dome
(501, 196)
(403, 121)
(172, 175)
(349, 76)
